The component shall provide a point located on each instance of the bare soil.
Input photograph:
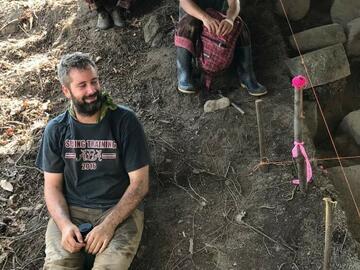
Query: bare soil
(210, 207)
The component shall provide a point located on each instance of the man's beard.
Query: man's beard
(88, 109)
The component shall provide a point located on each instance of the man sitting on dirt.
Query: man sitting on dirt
(192, 18)
(96, 164)
(109, 13)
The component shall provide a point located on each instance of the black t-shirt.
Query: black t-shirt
(94, 158)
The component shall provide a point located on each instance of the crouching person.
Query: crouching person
(192, 20)
(96, 168)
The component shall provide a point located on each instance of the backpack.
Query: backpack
(217, 52)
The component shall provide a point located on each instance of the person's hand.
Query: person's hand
(98, 238)
(71, 239)
(211, 24)
(224, 28)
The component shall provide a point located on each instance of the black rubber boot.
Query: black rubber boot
(104, 20)
(184, 71)
(246, 72)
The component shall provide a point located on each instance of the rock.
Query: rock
(10, 28)
(351, 125)
(325, 65)
(319, 37)
(157, 40)
(346, 198)
(11, 19)
(295, 9)
(83, 7)
(151, 28)
(353, 43)
(344, 11)
(218, 104)
(346, 144)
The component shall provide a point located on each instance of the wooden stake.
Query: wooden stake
(298, 123)
(259, 118)
(328, 232)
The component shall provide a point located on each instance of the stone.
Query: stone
(324, 65)
(151, 28)
(318, 37)
(347, 199)
(217, 104)
(157, 40)
(295, 9)
(344, 11)
(83, 7)
(353, 43)
(351, 125)
(11, 19)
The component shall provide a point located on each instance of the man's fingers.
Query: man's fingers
(89, 240)
(104, 245)
(221, 30)
(74, 245)
(97, 247)
(216, 27)
(213, 29)
(227, 31)
(210, 28)
(78, 236)
(92, 246)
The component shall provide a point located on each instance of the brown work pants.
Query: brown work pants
(117, 256)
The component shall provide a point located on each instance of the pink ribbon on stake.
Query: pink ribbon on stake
(295, 153)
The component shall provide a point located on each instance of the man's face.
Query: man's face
(84, 90)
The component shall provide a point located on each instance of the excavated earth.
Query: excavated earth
(210, 207)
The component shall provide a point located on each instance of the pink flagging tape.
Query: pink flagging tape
(295, 153)
(299, 82)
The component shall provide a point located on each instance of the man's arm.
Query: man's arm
(71, 238)
(98, 239)
(191, 8)
(233, 11)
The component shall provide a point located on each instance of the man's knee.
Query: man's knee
(123, 247)
(56, 256)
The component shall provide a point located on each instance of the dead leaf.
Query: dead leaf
(25, 104)
(6, 185)
(9, 132)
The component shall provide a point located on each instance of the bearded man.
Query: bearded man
(96, 169)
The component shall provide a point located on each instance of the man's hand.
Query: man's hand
(98, 238)
(71, 239)
(211, 24)
(224, 28)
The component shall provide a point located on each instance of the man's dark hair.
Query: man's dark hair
(76, 60)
